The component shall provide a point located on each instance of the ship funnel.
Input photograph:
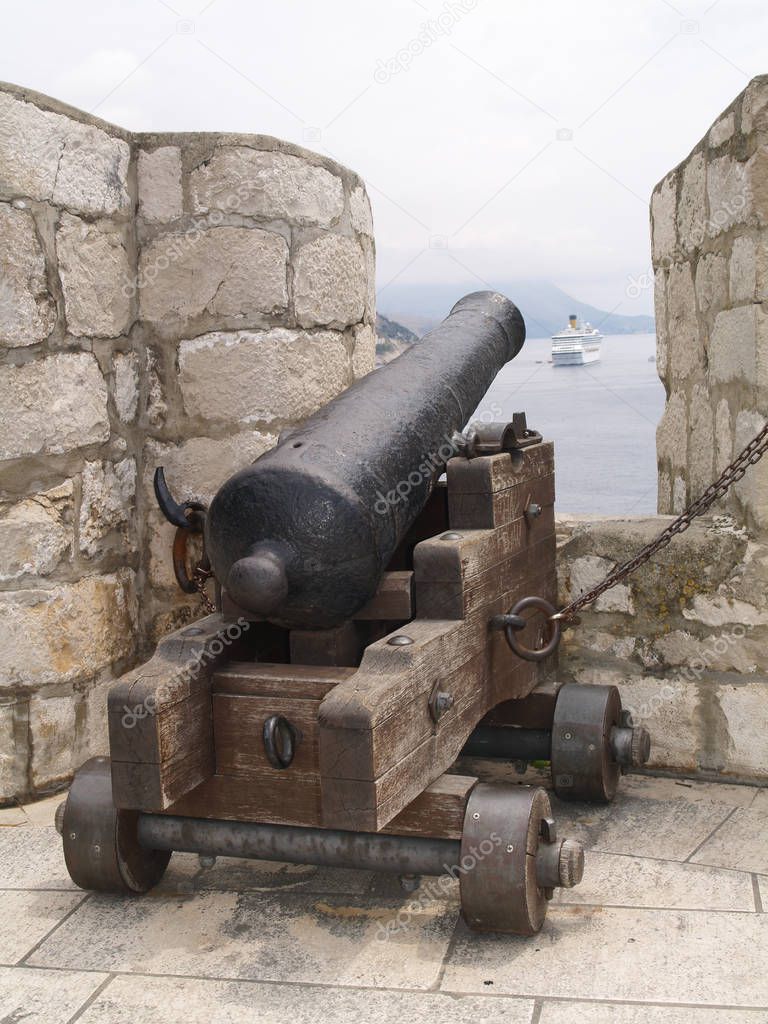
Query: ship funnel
(572, 321)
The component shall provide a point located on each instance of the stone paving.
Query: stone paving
(668, 926)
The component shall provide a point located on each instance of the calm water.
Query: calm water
(602, 419)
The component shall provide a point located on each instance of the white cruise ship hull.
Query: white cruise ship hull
(576, 354)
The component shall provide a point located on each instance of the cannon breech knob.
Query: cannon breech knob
(631, 746)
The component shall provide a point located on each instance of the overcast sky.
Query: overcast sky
(503, 138)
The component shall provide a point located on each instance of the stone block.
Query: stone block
(68, 632)
(691, 207)
(743, 705)
(55, 158)
(126, 368)
(685, 348)
(754, 106)
(36, 532)
(52, 738)
(701, 440)
(107, 506)
(663, 220)
(53, 405)
(268, 185)
(222, 374)
(27, 311)
(364, 351)
(360, 211)
(589, 570)
(672, 432)
(96, 276)
(13, 754)
(662, 325)
(733, 346)
(222, 271)
(757, 184)
(159, 176)
(728, 192)
(711, 284)
(752, 490)
(330, 283)
(723, 436)
(743, 270)
(722, 130)
(679, 495)
(157, 406)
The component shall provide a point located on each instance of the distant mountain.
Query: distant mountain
(544, 306)
(392, 339)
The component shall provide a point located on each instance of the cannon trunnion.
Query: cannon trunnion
(245, 735)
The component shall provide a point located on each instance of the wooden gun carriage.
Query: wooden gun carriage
(249, 734)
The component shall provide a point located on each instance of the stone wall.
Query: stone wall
(686, 640)
(164, 299)
(709, 222)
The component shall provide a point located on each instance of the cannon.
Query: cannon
(368, 630)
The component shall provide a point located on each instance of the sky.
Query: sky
(498, 138)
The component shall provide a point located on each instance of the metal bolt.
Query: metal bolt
(510, 848)
(534, 510)
(451, 536)
(73, 836)
(192, 631)
(205, 861)
(439, 703)
(476, 816)
(401, 640)
(96, 850)
(409, 883)
(567, 736)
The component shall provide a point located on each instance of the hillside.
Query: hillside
(392, 339)
(544, 306)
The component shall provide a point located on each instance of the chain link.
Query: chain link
(733, 472)
(200, 577)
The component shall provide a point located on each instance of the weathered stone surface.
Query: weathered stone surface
(52, 157)
(27, 312)
(223, 271)
(723, 436)
(743, 704)
(588, 570)
(330, 282)
(728, 193)
(68, 632)
(672, 432)
(95, 276)
(52, 736)
(13, 755)
(743, 270)
(157, 406)
(364, 351)
(52, 405)
(159, 175)
(108, 499)
(360, 211)
(222, 374)
(269, 185)
(35, 532)
(701, 440)
(663, 220)
(679, 495)
(690, 207)
(732, 346)
(662, 325)
(756, 186)
(754, 112)
(722, 130)
(196, 468)
(685, 350)
(711, 286)
(126, 366)
(752, 490)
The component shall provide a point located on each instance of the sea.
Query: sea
(602, 419)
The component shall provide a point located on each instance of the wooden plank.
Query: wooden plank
(154, 787)
(393, 601)
(498, 472)
(264, 680)
(238, 723)
(340, 646)
(470, 511)
(437, 811)
(532, 712)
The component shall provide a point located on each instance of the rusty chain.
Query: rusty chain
(200, 577)
(733, 472)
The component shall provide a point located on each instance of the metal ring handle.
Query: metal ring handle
(279, 754)
(554, 625)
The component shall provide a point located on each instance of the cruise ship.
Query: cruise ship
(577, 344)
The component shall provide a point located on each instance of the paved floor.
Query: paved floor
(668, 926)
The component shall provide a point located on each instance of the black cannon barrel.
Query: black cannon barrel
(302, 536)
